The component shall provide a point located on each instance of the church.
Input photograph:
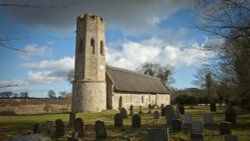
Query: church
(97, 86)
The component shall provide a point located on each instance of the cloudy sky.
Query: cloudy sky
(43, 32)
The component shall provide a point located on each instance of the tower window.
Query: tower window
(101, 48)
(92, 43)
(80, 46)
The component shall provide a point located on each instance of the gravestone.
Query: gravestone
(118, 121)
(158, 134)
(49, 127)
(176, 125)
(225, 128)
(208, 118)
(37, 128)
(182, 109)
(163, 111)
(136, 121)
(140, 109)
(213, 107)
(197, 137)
(131, 110)
(149, 109)
(100, 130)
(79, 127)
(188, 118)
(170, 113)
(59, 128)
(124, 113)
(229, 137)
(156, 115)
(230, 115)
(197, 127)
(72, 117)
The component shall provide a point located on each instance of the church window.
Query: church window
(142, 99)
(92, 43)
(80, 46)
(101, 48)
(149, 98)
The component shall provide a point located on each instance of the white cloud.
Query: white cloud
(155, 50)
(15, 86)
(49, 71)
(33, 50)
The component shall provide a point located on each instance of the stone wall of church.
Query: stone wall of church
(139, 99)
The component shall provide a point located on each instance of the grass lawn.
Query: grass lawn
(22, 125)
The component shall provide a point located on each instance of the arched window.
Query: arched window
(101, 48)
(92, 43)
(80, 46)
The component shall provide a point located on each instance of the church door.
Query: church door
(120, 102)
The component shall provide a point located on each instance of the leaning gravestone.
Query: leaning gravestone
(37, 128)
(156, 115)
(49, 127)
(230, 115)
(229, 137)
(176, 125)
(136, 121)
(59, 128)
(124, 113)
(72, 117)
(188, 118)
(208, 118)
(182, 109)
(197, 137)
(158, 134)
(213, 107)
(100, 130)
(163, 111)
(225, 128)
(170, 113)
(79, 127)
(197, 127)
(118, 120)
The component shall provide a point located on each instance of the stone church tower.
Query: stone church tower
(89, 86)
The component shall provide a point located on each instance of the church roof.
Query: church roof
(133, 82)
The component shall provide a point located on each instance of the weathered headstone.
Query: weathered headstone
(188, 118)
(100, 130)
(140, 109)
(197, 127)
(225, 128)
(176, 125)
(72, 117)
(118, 120)
(156, 115)
(158, 134)
(79, 127)
(182, 109)
(213, 107)
(131, 110)
(136, 121)
(124, 113)
(197, 137)
(59, 128)
(163, 111)
(229, 137)
(170, 113)
(37, 128)
(208, 118)
(230, 115)
(49, 127)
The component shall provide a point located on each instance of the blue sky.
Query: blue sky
(160, 31)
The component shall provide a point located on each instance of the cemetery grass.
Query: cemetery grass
(23, 125)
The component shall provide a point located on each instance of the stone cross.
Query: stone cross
(131, 110)
(158, 134)
(225, 128)
(100, 130)
(118, 120)
(79, 127)
(59, 128)
(136, 121)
